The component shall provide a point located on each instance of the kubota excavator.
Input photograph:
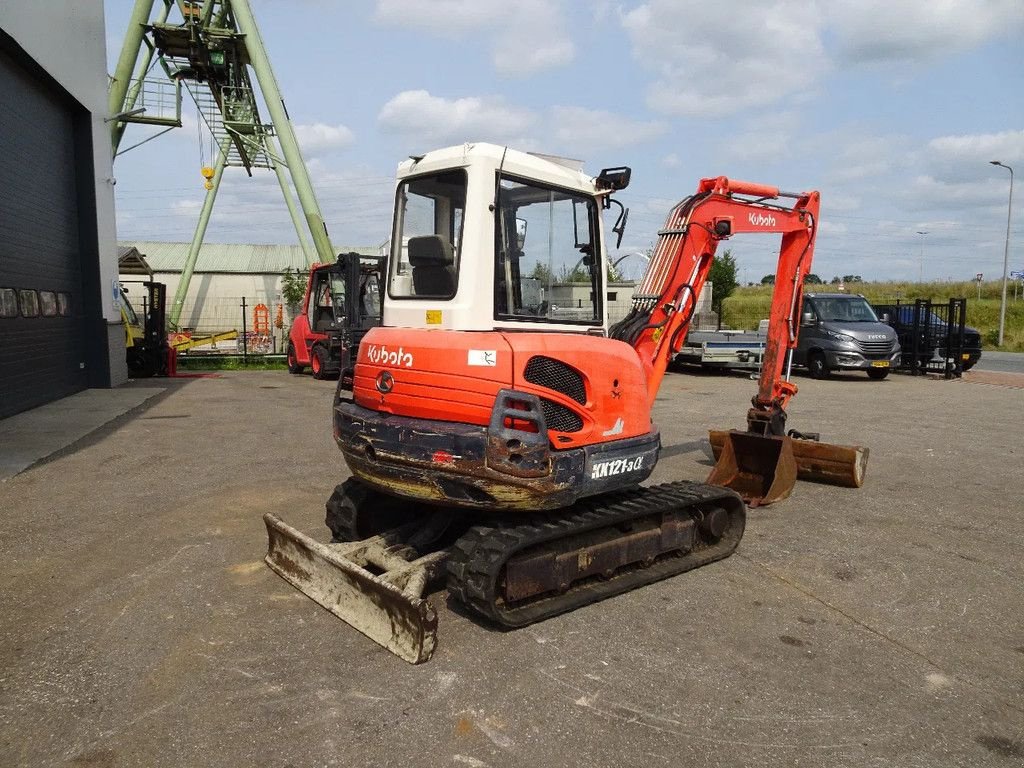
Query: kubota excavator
(499, 429)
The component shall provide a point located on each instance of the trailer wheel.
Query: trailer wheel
(318, 362)
(878, 373)
(817, 366)
(293, 361)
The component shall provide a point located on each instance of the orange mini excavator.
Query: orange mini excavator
(498, 428)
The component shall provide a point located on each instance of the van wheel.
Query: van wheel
(817, 366)
(293, 360)
(878, 373)
(318, 362)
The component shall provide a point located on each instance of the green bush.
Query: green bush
(231, 363)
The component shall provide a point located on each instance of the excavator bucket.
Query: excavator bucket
(842, 465)
(367, 584)
(760, 469)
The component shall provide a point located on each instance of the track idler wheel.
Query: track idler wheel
(355, 511)
(714, 524)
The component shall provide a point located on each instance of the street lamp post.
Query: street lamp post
(1006, 253)
(920, 271)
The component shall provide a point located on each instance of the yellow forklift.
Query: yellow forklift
(145, 335)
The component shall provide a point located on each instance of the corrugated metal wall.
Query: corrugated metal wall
(41, 357)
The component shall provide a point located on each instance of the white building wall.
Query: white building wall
(213, 302)
(68, 40)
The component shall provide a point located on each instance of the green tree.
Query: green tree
(768, 280)
(853, 279)
(293, 286)
(723, 277)
(813, 279)
(542, 273)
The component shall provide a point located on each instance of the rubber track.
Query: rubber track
(477, 559)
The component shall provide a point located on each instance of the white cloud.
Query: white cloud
(840, 202)
(320, 137)
(868, 157)
(517, 54)
(712, 60)
(968, 156)
(882, 31)
(586, 130)
(444, 17)
(671, 160)
(434, 120)
(526, 37)
(833, 228)
(776, 131)
(926, 193)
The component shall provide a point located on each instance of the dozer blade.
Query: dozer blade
(762, 470)
(842, 465)
(388, 608)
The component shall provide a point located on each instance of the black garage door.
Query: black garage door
(42, 308)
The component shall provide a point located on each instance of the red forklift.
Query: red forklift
(342, 302)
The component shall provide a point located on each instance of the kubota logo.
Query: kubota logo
(381, 355)
(761, 219)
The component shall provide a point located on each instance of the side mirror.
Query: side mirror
(520, 233)
(886, 318)
(807, 318)
(613, 178)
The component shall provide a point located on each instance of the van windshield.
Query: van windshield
(850, 309)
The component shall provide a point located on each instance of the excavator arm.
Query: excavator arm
(666, 298)
(762, 463)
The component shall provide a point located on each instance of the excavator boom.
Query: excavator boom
(666, 297)
(760, 463)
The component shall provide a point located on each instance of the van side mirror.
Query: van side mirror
(886, 318)
(807, 318)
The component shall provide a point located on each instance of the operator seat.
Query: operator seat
(432, 260)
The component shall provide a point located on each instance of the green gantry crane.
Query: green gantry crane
(209, 53)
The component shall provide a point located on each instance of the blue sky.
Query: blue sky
(891, 108)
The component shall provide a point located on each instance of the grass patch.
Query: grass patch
(749, 305)
(232, 363)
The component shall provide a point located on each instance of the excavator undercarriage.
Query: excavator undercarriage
(511, 570)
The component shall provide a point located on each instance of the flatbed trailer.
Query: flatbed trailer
(723, 349)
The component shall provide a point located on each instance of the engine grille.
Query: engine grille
(560, 418)
(554, 374)
(875, 347)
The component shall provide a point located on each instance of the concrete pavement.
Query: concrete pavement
(879, 626)
(41, 432)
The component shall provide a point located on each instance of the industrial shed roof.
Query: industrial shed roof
(235, 258)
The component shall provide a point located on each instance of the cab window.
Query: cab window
(548, 264)
(322, 303)
(427, 234)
